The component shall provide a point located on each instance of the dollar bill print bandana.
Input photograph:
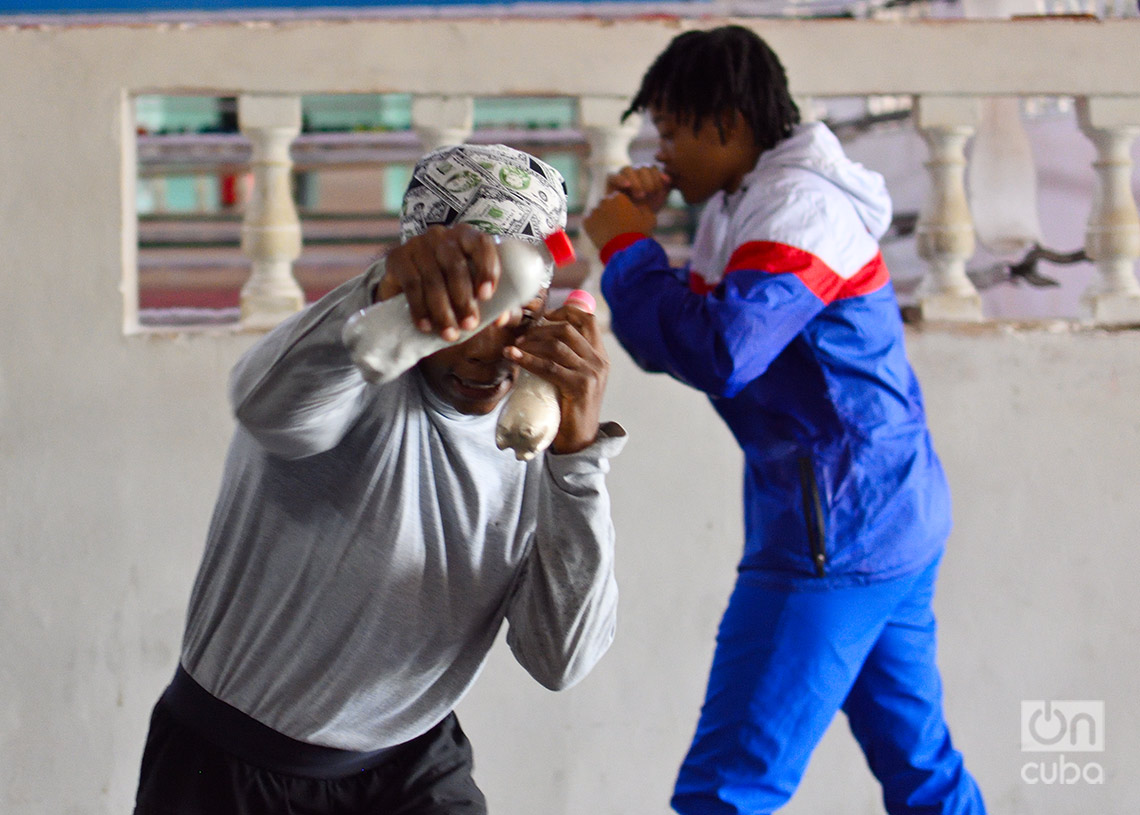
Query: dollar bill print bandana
(493, 187)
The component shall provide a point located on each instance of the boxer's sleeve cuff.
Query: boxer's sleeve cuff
(619, 242)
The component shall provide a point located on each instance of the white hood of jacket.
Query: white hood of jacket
(815, 148)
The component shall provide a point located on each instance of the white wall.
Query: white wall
(111, 458)
(110, 454)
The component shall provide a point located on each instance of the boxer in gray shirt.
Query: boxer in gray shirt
(370, 540)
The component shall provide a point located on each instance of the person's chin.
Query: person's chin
(693, 197)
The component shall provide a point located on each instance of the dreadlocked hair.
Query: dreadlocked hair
(710, 74)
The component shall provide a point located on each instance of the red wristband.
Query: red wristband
(619, 242)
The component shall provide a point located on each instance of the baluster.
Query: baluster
(1002, 177)
(441, 121)
(945, 230)
(607, 144)
(271, 231)
(203, 190)
(158, 189)
(1112, 238)
(607, 140)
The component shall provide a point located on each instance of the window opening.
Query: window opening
(351, 163)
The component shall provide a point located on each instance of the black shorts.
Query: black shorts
(185, 774)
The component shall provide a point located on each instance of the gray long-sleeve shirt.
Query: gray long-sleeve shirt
(369, 541)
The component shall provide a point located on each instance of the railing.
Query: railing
(946, 67)
(347, 187)
(271, 232)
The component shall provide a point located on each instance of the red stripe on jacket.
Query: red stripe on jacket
(619, 242)
(821, 279)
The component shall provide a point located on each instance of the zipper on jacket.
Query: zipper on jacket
(813, 515)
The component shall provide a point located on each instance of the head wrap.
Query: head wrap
(493, 187)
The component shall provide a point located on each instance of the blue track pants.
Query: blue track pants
(786, 661)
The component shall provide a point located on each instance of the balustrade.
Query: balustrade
(946, 112)
(271, 233)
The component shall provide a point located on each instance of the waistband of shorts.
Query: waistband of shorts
(241, 735)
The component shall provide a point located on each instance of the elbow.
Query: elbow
(557, 682)
(291, 428)
(566, 676)
(713, 383)
(284, 447)
(563, 674)
(731, 386)
(564, 670)
(246, 417)
(287, 443)
(732, 371)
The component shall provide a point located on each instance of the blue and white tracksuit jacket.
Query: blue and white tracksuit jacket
(787, 319)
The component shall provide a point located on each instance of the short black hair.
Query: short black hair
(711, 74)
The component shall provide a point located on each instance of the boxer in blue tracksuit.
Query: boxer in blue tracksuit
(787, 319)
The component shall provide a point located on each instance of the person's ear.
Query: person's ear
(732, 126)
(743, 136)
(722, 121)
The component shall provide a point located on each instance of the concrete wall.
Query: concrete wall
(111, 448)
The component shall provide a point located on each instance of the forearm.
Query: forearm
(663, 325)
(716, 342)
(563, 610)
(296, 390)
